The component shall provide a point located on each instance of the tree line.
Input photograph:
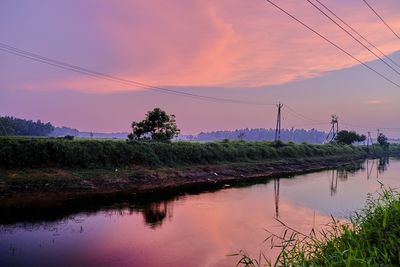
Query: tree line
(20, 127)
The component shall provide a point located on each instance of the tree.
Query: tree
(382, 140)
(349, 137)
(158, 126)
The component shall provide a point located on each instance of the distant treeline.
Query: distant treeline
(296, 135)
(63, 131)
(20, 127)
(54, 152)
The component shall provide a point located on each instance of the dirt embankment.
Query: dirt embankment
(139, 180)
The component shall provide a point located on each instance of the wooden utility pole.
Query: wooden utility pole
(278, 123)
(369, 139)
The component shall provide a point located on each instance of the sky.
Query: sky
(245, 50)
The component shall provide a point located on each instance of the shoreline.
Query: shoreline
(28, 185)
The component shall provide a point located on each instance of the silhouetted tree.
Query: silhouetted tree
(158, 126)
(382, 140)
(349, 137)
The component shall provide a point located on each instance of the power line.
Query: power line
(310, 124)
(299, 115)
(332, 43)
(316, 122)
(381, 18)
(352, 36)
(370, 127)
(355, 31)
(99, 75)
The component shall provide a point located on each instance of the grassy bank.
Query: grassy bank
(372, 238)
(48, 152)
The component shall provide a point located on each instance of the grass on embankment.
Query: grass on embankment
(52, 152)
(372, 238)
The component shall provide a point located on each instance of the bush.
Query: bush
(53, 152)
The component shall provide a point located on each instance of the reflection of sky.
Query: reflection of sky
(199, 229)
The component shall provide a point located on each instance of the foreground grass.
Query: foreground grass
(372, 238)
(52, 152)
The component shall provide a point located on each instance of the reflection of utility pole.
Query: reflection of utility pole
(278, 123)
(276, 191)
(369, 170)
(334, 179)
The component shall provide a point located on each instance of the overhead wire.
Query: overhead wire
(56, 63)
(78, 69)
(300, 115)
(332, 43)
(42, 59)
(352, 36)
(381, 18)
(370, 127)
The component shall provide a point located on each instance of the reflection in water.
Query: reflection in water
(334, 179)
(383, 165)
(195, 230)
(369, 168)
(155, 213)
(276, 192)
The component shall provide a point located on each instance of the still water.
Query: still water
(195, 230)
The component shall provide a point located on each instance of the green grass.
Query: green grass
(51, 152)
(372, 238)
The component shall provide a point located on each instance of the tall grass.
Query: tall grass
(372, 238)
(45, 152)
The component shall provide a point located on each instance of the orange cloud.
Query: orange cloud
(228, 43)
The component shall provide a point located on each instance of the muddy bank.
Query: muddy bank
(47, 191)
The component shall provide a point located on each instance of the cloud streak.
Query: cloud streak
(229, 43)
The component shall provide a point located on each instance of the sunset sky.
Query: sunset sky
(237, 49)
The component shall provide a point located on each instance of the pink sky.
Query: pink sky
(234, 49)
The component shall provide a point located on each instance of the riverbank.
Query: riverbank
(141, 180)
(370, 239)
(47, 168)
(34, 195)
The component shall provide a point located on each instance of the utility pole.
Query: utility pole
(292, 134)
(278, 123)
(335, 122)
(334, 128)
(369, 139)
(369, 134)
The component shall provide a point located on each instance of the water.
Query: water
(194, 230)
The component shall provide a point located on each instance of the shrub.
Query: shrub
(49, 152)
